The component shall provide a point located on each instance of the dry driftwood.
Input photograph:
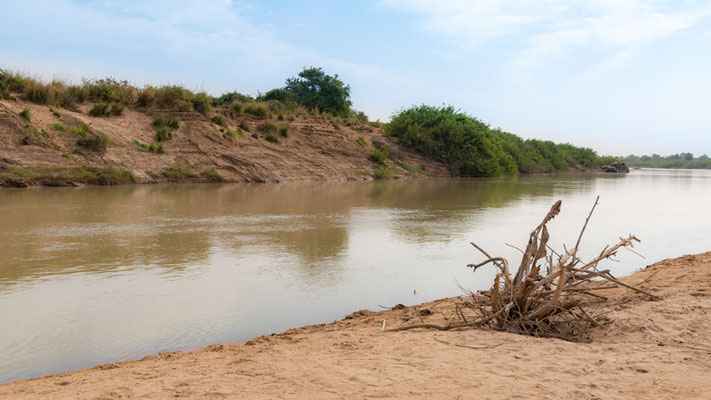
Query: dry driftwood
(546, 296)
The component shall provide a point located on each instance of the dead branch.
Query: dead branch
(553, 305)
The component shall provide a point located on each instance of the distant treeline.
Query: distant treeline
(681, 160)
(471, 148)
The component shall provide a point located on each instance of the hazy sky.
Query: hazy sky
(619, 76)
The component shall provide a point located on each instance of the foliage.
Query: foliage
(381, 173)
(23, 176)
(163, 133)
(26, 116)
(258, 110)
(106, 110)
(81, 130)
(171, 122)
(315, 90)
(680, 160)
(231, 97)
(59, 127)
(281, 95)
(245, 126)
(361, 141)
(201, 103)
(284, 131)
(97, 143)
(471, 148)
(219, 120)
(271, 137)
(379, 156)
(178, 172)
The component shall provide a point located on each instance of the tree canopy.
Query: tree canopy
(470, 148)
(313, 89)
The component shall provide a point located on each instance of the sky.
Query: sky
(619, 76)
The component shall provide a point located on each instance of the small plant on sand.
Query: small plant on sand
(381, 173)
(284, 131)
(271, 137)
(258, 110)
(97, 143)
(163, 133)
(211, 174)
(55, 113)
(171, 122)
(219, 120)
(267, 128)
(81, 130)
(26, 116)
(178, 172)
(245, 126)
(379, 156)
(236, 107)
(361, 141)
(59, 128)
(140, 145)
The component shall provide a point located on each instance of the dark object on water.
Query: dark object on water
(616, 167)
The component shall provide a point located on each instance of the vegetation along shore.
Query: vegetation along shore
(106, 131)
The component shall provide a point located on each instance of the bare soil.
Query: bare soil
(317, 148)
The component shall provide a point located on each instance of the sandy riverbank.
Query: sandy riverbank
(652, 350)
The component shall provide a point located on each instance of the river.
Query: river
(102, 274)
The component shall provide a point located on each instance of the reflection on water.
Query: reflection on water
(92, 275)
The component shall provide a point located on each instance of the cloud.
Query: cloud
(553, 29)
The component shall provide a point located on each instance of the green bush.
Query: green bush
(106, 110)
(178, 172)
(171, 122)
(82, 130)
(464, 143)
(280, 95)
(163, 133)
(267, 128)
(202, 103)
(381, 173)
(236, 107)
(271, 137)
(245, 126)
(160, 149)
(59, 127)
(219, 120)
(231, 97)
(97, 143)
(110, 90)
(284, 131)
(361, 141)
(26, 116)
(314, 89)
(173, 98)
(379, 156)
(258, 110)
(55, 113)
(145, 97)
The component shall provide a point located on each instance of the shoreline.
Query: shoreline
(571, 171)
(652, 349)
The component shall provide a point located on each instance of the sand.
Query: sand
(651, 350)
(317, 147)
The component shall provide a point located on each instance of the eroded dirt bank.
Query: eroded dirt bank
(43, 149)
(651, 350)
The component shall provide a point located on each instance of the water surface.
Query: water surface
(95, 275)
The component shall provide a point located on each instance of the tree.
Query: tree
(314, 89)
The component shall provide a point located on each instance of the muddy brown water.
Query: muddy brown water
(95, 275)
